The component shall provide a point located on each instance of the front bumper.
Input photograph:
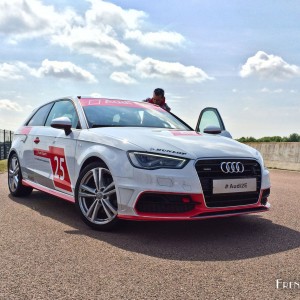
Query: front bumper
(171, 186)
(200, 211)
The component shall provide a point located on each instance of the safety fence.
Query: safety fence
(5, 143)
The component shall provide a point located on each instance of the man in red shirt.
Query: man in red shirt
(159, 99)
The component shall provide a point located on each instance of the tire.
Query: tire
(16, 188)
(96, 198)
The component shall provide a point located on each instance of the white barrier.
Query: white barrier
(280, 155)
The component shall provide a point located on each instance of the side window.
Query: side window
(63, 108)
(40, 116)
(209, 117)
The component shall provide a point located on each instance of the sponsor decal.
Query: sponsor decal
(168, 151)
(58, 162)
(108, 102)
(181, 133)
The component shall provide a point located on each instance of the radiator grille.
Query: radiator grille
(209, 170)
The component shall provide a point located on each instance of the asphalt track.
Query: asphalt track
(46, 252)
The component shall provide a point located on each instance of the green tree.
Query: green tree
(294, 137)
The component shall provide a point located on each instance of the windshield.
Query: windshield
(137, 115)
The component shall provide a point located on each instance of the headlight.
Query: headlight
(154, 161)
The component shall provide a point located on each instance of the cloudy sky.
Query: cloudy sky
(241, 57)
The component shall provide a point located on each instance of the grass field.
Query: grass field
(3, 167)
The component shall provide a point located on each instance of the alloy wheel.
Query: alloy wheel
(97, 197)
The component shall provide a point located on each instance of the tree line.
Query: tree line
(294, 137)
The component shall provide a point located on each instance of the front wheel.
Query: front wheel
(96, 198)
(15, 185)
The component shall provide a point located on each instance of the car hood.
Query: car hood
(188, 144)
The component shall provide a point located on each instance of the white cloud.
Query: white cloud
(102, 32)
(60, 69)
(278, 91)
(99, 44)
(266, 90)
(14, 71)
(31, 18)
(151, 68)
(269, 66)
(96, 95)
(122, 77)
(10, 105)
(10, 71)
(64, 69)
(113, 16)
(160, 39)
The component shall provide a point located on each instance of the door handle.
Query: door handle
(37, 140)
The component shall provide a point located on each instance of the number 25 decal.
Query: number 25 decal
(59, 162)
(61, 177)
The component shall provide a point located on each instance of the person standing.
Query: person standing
(159, 99)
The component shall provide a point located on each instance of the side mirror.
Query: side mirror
(212, 130)
(62, 123)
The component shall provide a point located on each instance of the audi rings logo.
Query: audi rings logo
(232, 167)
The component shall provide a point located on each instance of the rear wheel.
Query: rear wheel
(96, 197)
(15, 185)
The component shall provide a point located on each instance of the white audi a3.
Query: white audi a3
(118, 159)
